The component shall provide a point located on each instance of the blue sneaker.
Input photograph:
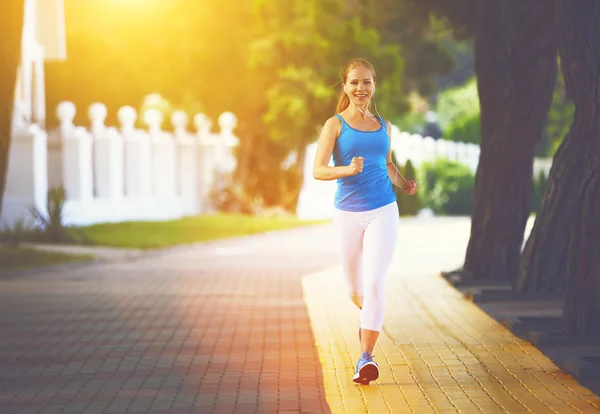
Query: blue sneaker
(367, 370)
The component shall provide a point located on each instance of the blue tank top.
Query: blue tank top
(371, 188)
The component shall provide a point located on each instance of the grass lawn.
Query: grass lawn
(156, 234)
(14, 258)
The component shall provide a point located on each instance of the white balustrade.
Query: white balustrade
(117, 174)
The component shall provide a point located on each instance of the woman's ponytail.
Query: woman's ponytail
(343, 103)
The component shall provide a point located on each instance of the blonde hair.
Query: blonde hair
(344, 101)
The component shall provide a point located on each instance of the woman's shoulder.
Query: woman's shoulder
(334, 120)
(334, 123)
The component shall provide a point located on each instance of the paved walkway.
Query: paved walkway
(261, 324)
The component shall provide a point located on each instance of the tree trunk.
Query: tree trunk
(515, 62)
(579, 43)
(544, 262)
(11, 30)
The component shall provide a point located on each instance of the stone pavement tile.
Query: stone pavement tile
(437, 353)
(215, 328)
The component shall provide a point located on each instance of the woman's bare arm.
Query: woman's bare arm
(326, 143)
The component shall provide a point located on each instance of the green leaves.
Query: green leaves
(446, 187)
(275, 64)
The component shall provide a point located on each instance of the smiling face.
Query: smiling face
(360, 85)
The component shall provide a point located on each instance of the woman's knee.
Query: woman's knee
(375, 289)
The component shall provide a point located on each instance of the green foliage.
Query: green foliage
(51, 225)
(16, 234)
(458, 103)
(276, 67)
(560, 118)
(411, 122)
(233, 199)
(539, 188)
(421, 38)
(157, 234)
(256, 197)
(465, 128)
(446, 187)
(293, 50)
(460, 15)
(407, 205)
(464, 55)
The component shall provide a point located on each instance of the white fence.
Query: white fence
(122, 174)
(112, 175)
(316, 197)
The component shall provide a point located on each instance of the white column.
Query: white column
(28, 46)
(39, 91)
(27, 176)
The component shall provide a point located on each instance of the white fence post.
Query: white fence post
(76, 156)
(226, 161)
(207, 153)
(187, 165)
(163, 156)
(137, 155)
(108, 155)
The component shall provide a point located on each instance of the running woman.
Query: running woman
(366, 215)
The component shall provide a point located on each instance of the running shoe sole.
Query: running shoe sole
(367, 373)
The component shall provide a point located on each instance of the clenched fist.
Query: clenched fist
(410, 187)
(356, 166)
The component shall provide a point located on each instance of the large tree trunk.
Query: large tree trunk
(543, 265)
(515, 61)
(579, 42)
(11, 29)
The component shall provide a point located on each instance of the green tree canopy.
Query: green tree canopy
(276, 67)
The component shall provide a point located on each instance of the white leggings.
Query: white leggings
(367, 240)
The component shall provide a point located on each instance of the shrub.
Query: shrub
(457, 103)
(16, 234)
(52, 228)
(447, 187)
(407, 205)
(465, 129)
(233, 199)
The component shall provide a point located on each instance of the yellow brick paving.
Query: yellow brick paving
(437, 353)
